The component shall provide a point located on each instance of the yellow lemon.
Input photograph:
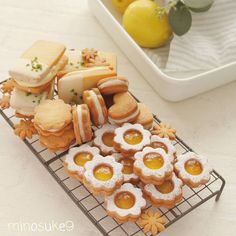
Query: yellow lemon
(121, 5)
(147, 23)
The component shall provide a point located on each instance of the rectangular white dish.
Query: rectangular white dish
(171, 86)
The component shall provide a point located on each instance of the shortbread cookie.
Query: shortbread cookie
(104, 139)
(103, 175)
(82, 123)
(25, 129)
(124, 110)
(5, 101)
(145, 117)
(126, 203)
(113, 85)
(164, 130)
(153, 166)
(165, 144)
(193, 169)
(96, 105)
(168, 194)
(130, 139)
(76, 159)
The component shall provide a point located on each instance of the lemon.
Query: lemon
(147, 23)
(121, 5)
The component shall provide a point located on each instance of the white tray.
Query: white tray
(173, 87)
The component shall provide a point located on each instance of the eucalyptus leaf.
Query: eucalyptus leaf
(201, 9)
(198, 4)
(180, 19)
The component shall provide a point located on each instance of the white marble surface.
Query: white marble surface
(207, 122)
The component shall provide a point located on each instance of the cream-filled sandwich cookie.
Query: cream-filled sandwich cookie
(153, 166)
(165, 144)
(145, 117)
(96, 105)
(126, 203)
(103, 175)
(82, 123)
(131, 138)
(124, 109)
(193, 169)
(168, 194)
(104, 139)
(72, 85)
(39, 64)
(76, 159)
(113, 85)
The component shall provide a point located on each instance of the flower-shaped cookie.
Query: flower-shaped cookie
(165, 144)
(104, 139)
(76, 159)
(103, 175)
(5, 102)
(165, 195)
(153, 165)
(131, 138)
(164, 130)
(25, 129)
(151, 222)
(193, 169)
(7, 86)
(89, 54)
(126, 203)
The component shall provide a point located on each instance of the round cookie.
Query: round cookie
(113, 85)
(145, 117)
(96, 105)
(82, 123)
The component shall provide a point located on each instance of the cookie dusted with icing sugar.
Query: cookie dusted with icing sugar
(126, 203)
(96, 105)
(124, 110)
(76, 159)
(168, 194)
(193, 169)
(103, 175)
(113, 85)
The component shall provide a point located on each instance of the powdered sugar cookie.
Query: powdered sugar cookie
(113, 85)
(76, 159)
(153, 165)
(104, 139)
(165, 195)
(193, 169)
(103, 175)
(131, 138)
(126, 203)
(96, 105)
(145, 117)
(165, 144)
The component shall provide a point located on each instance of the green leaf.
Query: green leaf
(199, 5)
(180, 19)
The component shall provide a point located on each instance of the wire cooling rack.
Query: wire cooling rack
(93, 206)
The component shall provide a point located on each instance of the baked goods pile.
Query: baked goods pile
(120, 152)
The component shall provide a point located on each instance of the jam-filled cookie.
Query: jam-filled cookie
(130, 139)
(165, 144)
(126, 203)
(153, 165)
(193, 169)
(104, 139)
(165, 195)
(76, 159)
(103, 175)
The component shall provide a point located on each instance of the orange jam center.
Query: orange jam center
(153, 160)
(124, 200)
(82, 157)
(133, 137)
(127, 165)
(166, 187)
(193, 167)
(103, 172)
(159, 145)
(107, 139)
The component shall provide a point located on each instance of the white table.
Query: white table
(207, 122)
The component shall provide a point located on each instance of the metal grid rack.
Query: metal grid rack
(93, 206)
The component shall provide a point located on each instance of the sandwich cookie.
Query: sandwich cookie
(82, 123)
(96, 105)
(113, 85)
(145, 117)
